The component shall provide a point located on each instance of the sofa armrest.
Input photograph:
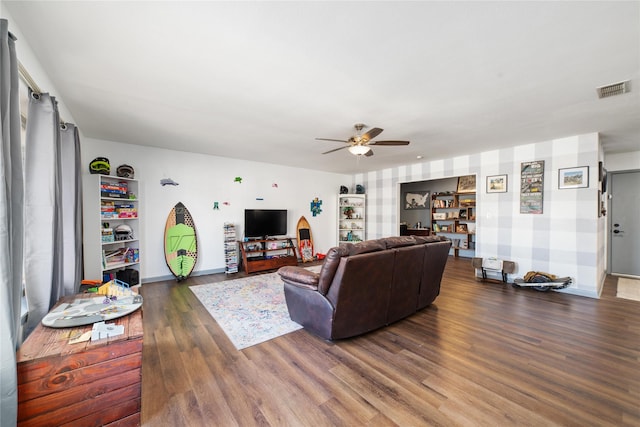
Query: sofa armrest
(300, 277)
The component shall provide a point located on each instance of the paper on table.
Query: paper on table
(102, 330)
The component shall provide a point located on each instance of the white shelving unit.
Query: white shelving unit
(230, 248)
(351, 222)
(110, 201)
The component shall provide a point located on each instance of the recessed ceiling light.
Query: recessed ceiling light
(418, 157)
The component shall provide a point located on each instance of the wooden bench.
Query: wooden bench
(89, 383)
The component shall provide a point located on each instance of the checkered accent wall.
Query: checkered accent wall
(567, 239)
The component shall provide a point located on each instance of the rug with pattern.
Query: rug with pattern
(250, 310)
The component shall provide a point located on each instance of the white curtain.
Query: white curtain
(44, 250)
(53, 208)
(40, 216)
(11, 226)
(71, 208)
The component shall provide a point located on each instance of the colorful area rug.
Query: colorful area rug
(628, 288)
(250, 310)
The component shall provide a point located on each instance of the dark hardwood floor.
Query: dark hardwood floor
(482, 354)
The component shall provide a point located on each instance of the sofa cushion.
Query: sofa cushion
(329, 267)
(365, 247)
(299, 277)
(398, 241)
(430, 239)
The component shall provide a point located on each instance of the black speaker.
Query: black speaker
(129, 276)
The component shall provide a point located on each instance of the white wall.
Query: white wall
(563, 240)
(31, 63)
(622, 161)
(207, 179)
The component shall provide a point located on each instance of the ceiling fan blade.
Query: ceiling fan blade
(329, 139)
(389, 143)
(369, 153)
(371, 134)
(335, 149)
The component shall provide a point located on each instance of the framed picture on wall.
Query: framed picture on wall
(467, 184)
(416, 200)
(497, 184)
(602, 177)
(573, 177)
(531, 187)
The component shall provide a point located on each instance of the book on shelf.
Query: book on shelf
(120, 256)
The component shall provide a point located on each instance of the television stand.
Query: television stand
(267, 254)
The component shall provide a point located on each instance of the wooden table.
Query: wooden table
(89, 383)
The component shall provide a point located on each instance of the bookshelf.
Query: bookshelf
(111, 228)
(454, 216)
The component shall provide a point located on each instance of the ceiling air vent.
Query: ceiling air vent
(613, 89)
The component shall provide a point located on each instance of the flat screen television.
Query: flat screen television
(262, 223)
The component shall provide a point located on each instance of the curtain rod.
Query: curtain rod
(28, 80)
(26, 77)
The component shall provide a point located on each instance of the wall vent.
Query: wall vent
(613, 89)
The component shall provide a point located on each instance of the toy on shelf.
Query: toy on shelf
(117, 288)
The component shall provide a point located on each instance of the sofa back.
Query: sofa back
(378, 282)
(435, 258)
(335, 255)
(360, 292)
(405, 285)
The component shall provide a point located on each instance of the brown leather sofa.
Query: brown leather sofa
(366, 285)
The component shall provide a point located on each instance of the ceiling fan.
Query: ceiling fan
(359, 144)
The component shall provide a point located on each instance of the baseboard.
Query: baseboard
(172, 277)
(579, 292)
(497, 277)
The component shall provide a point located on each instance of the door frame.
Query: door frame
(610, 225)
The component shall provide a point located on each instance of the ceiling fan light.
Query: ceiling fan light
(359, 150)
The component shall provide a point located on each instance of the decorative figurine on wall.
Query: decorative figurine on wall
(315, 206)
(216, 206)
(167, 181)
(238, 179)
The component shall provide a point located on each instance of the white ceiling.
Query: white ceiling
(260, 80)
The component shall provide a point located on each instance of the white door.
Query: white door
(625, 223)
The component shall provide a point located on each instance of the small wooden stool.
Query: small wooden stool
(494, 264)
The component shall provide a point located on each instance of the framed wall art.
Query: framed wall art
(416, 200)
(497, 184)
(602, 177)
(573, 177)
(467, 184)
(531, 187)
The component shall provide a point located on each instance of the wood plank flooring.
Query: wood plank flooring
(483, 354)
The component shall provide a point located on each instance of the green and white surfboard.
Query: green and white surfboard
(180, 242)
